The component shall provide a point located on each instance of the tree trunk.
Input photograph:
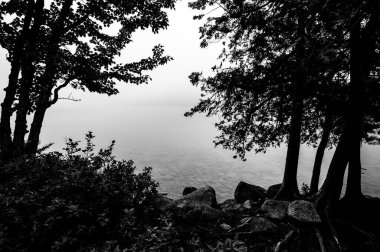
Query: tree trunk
(11, 89)
(327, 127)
(289, 188)
(332, 187)
(48, 79)
(353, 187)
(364, 53)
(35, 130)
(28, 72)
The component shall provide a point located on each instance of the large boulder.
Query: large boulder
(275, 209)
(205, 195)
(197, 205)
(272, 190)
(158, 202)
(245, 191)
(303, 211)
(194, 210)
(260, 224)
(188, 189)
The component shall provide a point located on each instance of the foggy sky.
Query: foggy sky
(170, 85)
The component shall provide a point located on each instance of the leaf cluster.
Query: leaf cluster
(74, 202)
(87, 55)
(251, 90)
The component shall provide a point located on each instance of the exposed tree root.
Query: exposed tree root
(332, 228)
(287, 194)
(282, 243)
(371, 237)
(320, 240)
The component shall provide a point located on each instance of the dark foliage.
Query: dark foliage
(80, 201)
(53, 45)
(253, 87)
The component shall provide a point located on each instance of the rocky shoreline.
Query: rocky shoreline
(251, 221)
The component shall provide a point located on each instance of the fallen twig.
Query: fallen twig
(280, 244)
(332, 229)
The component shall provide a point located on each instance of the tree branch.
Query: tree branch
(56, 91)
(76, 23)
(70, 98)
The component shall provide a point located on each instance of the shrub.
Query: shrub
(305, 189)
(78, 201)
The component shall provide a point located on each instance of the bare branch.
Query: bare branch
(70, 98)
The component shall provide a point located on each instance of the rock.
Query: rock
(205, 194)
(238, 207)
(189, 189)
(303, 211)
(159, 202)
(228, 205)
(260, 224)
(193, 210)
(225, 226)
(275, 209)
(197, 205)
(272, 190)
(248, 204)
(245, 191)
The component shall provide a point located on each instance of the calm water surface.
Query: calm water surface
(181, 151)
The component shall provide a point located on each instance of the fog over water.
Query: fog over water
(148, 125)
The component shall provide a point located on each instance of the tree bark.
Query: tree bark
(327, 127)
(10, 91)
(28, 72)
(332, 187)
(353, 187)
(363, 53)
(48, 79)
(289, 188)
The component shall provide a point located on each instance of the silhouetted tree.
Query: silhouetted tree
(360, 23)
(66, 44)
(276, 60)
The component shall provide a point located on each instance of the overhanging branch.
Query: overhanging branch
(56, 91)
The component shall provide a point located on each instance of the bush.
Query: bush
(80, 201)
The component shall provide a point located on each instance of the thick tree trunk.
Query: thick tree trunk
(35, 130)
(327, 127)
(22, 109)
(289, 188)
(364, 54)
(332, 187)
(353, 187)
(6, 148)
(48, 79)
(28, 72)
(6, 106)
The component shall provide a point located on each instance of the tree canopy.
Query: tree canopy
(286, 74)
(54, 44)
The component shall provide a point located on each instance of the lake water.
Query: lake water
(181, 151)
